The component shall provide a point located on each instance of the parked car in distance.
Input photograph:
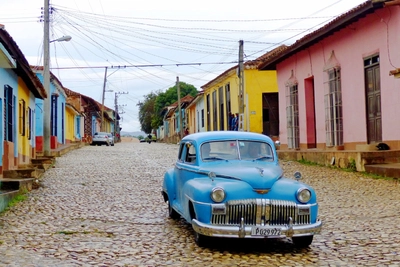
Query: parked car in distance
(100, 138)
(229, 184)
(111, 139)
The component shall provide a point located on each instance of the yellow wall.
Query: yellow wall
(233, 82)
(191, 119)
(255, 84)
(69, 124)
(24, 147)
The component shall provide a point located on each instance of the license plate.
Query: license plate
(265, 231)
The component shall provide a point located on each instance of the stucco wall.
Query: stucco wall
(377, 33)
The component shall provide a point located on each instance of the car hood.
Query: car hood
(259, 176)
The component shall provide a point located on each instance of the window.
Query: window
(202, 118)
(78, 126)
(190, 154)
(215, 110)
(292, 115)
(22, 117)
(208, 113)
(221, 109)
(228, 104)
(54, 111)
(333, 108)
(9, 113)
(30, 121)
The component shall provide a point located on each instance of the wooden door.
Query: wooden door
(270, 114)
(373, 105)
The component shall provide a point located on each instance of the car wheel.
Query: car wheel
(302, 241)
(201, 240)
(172, 213)
(112, 144)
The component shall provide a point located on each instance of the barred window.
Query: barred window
(333, 108)
(292, 115)
(9, 113)
(22, 117)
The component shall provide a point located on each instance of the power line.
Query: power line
(150, 65)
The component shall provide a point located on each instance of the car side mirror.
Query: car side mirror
(277, 144)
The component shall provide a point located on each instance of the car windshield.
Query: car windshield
(235, 150)
(101, 133)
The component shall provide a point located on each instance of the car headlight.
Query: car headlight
(303, 195)
(218, 194)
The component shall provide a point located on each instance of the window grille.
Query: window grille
(333, 108)
(292, 115)
(9, 113)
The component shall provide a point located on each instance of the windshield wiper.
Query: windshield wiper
(213, 158)
(263, 158)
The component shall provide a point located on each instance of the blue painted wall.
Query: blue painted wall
(61, 103)
(7, 77)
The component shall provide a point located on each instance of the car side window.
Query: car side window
(190, 154)
(180, 154)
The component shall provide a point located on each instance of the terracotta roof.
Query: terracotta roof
(185, 99)
(335, 25)
(252, 63)
(69, 92)
(195, 99)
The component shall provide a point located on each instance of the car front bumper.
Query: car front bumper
(243, 231)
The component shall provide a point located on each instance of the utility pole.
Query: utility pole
(102, 101)
(104, 92)
(179, 107)
(241, 78)
(46, 80)
(116, 124)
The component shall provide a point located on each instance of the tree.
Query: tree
(146, 112)
(171, 95)
(150, 109)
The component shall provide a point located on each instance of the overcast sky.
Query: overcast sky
(154, 42)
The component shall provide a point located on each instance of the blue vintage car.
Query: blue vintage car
(229, 184)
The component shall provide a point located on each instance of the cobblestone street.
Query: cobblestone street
(102, 206)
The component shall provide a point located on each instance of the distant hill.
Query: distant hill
(123, 133)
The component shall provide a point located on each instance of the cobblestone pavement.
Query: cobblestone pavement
(102, 206)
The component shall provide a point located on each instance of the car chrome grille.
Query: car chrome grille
(260, 212)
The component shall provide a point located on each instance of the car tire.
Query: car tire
(201, 240)
(112, 144)
(172, 213)
(302, 241)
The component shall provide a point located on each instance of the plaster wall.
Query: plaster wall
(374, 34)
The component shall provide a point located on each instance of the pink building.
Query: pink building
(338, 86)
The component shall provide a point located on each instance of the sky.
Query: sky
(146, 46)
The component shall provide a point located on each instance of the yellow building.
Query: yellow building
(255, 105)
(71, 113)
(192, 115)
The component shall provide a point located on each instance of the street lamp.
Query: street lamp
(46, 78)
(65, 38)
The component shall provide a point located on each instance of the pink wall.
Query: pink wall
(375, 33)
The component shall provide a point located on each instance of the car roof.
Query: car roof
(224, 135)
